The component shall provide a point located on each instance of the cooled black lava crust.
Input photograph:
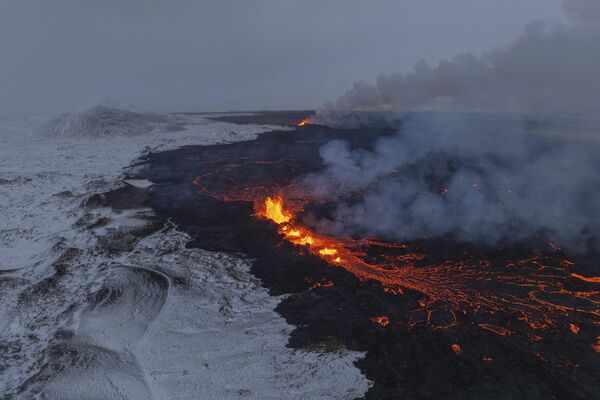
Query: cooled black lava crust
(403, 362)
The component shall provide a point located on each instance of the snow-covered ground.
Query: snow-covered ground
(156, 321)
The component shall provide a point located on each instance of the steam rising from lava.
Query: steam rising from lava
(478, 179)
(506, 293)
(481, 179)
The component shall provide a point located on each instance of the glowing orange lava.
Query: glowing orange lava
(595, 279)
(596, 346)
(457, 349)
(527, 288)
(380, 320)
(537, 291)
(324, 284)
(327, 252)
(273, 210)
(305, 121)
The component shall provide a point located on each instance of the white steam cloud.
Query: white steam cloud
(548, 70)
(475, 176)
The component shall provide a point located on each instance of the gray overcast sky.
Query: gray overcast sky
(171, 55)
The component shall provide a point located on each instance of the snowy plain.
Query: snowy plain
(157, 321)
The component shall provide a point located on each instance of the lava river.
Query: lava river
(535, 289)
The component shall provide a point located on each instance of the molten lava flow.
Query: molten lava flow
(327, 252)
(595, 279)
(574, 328)
(457, 349)
(537, 292)
(305, 121)
(527, 288)
(332, 250)
(316, 285)
(380, 320)
(596, 346)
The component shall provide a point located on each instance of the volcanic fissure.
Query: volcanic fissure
(436, 317)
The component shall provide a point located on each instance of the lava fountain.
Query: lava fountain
(304, 122)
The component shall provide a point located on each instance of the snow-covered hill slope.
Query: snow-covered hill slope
(154, 321)
(109, 120)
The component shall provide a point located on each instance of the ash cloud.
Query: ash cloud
(549, 69)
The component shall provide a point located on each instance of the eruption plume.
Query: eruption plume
(485, 180)
(548, 69)
(491, 176)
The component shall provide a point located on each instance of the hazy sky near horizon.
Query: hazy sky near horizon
(172, 55)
